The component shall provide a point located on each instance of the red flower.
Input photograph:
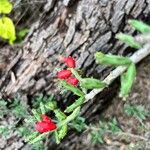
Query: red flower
(64, 74)
(45, 125)
(70, 62)
(73, 81)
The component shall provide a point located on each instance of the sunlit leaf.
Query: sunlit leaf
(7, 29)
(5, 6)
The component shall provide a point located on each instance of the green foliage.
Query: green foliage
(7, 29)
(3, 108)
(71, 117)
(78, 124)
(127, 80)
(5, 7)
(4, 131)
(109, 59)
(37, 100)
(33, 138)
(90, 83)
(18, 108)
(21, 34)
(71, 88)
(76, 104)
(38, 146)
(140, 26)
(128, 39)
(98, 132)
(137, 111)
(113, 125)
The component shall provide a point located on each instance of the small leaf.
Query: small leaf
(140, 26)
(90, 83)
(129, 40)
(59, 114)
(76, 104)
(62, 132)
(7, 29)
(112, 59)
(42, 107)
(38, 138)
(32, 136)
(5, 6)
(56, 137)
(127, 80)
(52, 105)
(21, 34)
(71, 117)
(71, 88)
(78, 123)
(36, 114)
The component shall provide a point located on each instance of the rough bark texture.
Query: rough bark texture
(70, 27)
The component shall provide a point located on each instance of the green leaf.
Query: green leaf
(129, 40)
(62, 132)
(71, 117)
(114, 126)
(109, 59)
(71, 88)
(7, 29)
(127, 80)
(137, 111)
(42, 107)
(56, 137)
(21, 34)
(4, 130)
(52, 105)
(78, 123)
(36, 114)
(38, 138)
(140, 26)
(32, 136)
(90, 83)
(59, 114)
(76, 104)
(5, 6)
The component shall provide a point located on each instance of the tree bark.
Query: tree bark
(70, 27)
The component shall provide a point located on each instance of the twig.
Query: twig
(136, 57)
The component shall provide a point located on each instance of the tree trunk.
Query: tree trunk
(70, 27)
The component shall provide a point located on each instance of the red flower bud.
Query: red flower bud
(70, 62)
(45, 126)
(64, 74)
(73, 81)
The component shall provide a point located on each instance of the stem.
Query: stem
(135, 58)
(76, 74)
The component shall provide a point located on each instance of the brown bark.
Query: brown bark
(70, 27)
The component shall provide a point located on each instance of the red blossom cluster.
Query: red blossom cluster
(67, 74)
(45, 125)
